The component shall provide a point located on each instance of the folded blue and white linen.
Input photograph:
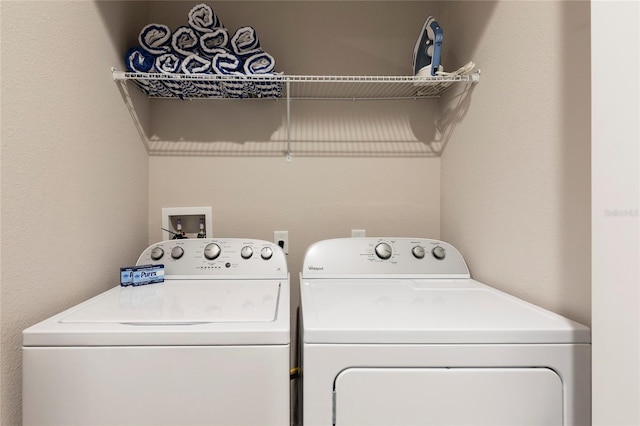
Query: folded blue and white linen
(169, 63)
(259, 63)
(185, 41)
(193, 64)
(195, 52)
(210, 42)
(138, 59)
(267, 88)
(203, 19)
(262, 64)
(227, 64)
(245, 43)
(197, 65)
(155, 39)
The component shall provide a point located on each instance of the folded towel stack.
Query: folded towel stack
(211, 42)
(263, 64)
(185, 41)
(203, 48)
(227, 64)
(203, 19)
(155, 38)
(245, 42)
(139, 60)
(260, 63)
(196, 65)
(169, 63)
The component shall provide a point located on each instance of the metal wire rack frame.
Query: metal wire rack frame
(291, 87)
(329, 87)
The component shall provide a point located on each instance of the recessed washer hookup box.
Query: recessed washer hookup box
(141, 275)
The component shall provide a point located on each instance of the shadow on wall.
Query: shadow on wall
(317, 128)
(575, 205)
(461, 40)
(443, 126)
(463, 36)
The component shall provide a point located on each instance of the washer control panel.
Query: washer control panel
(383, 257)
(219, 258)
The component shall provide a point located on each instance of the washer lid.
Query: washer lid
(183, 302)
(426, 311)
(173, 313)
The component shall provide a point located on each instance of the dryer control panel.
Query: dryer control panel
(205, 258)
(383, 258)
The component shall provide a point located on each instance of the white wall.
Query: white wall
(74, 173)
(356, 165)
(616, 199)
(516, 171)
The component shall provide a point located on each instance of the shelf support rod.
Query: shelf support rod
(124, 92)
(288, 120)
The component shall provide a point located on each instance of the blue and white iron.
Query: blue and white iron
(426, 54)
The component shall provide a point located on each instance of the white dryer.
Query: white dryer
(208, 346)
(395, 332)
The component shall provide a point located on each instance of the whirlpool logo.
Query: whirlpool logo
(315, 268)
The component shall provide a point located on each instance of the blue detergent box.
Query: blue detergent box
(141, 275)
(126, 276)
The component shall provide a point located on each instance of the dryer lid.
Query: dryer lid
(463, 311)
(182, 302)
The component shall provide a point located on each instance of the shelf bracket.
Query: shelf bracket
(126, 96)
(288, 120)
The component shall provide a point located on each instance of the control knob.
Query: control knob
(157, 253)
(266, 253)
(418, 252)
(177, 252)
(212, 251)
(246, 252)
(439, 252)
(383, 251)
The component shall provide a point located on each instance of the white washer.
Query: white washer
(210, 345)
(395, 332)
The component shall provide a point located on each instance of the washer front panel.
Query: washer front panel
(156, 385)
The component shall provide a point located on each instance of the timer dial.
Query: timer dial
(266, 253)
(383, 251)
(439, 252)
(418, 252)
(212, 251)
(177, 252)
(246, 252)
(157, 253)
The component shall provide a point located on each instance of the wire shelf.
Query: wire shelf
(210, 86)
(289, 87)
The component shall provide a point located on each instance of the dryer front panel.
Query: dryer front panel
(448, 396)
